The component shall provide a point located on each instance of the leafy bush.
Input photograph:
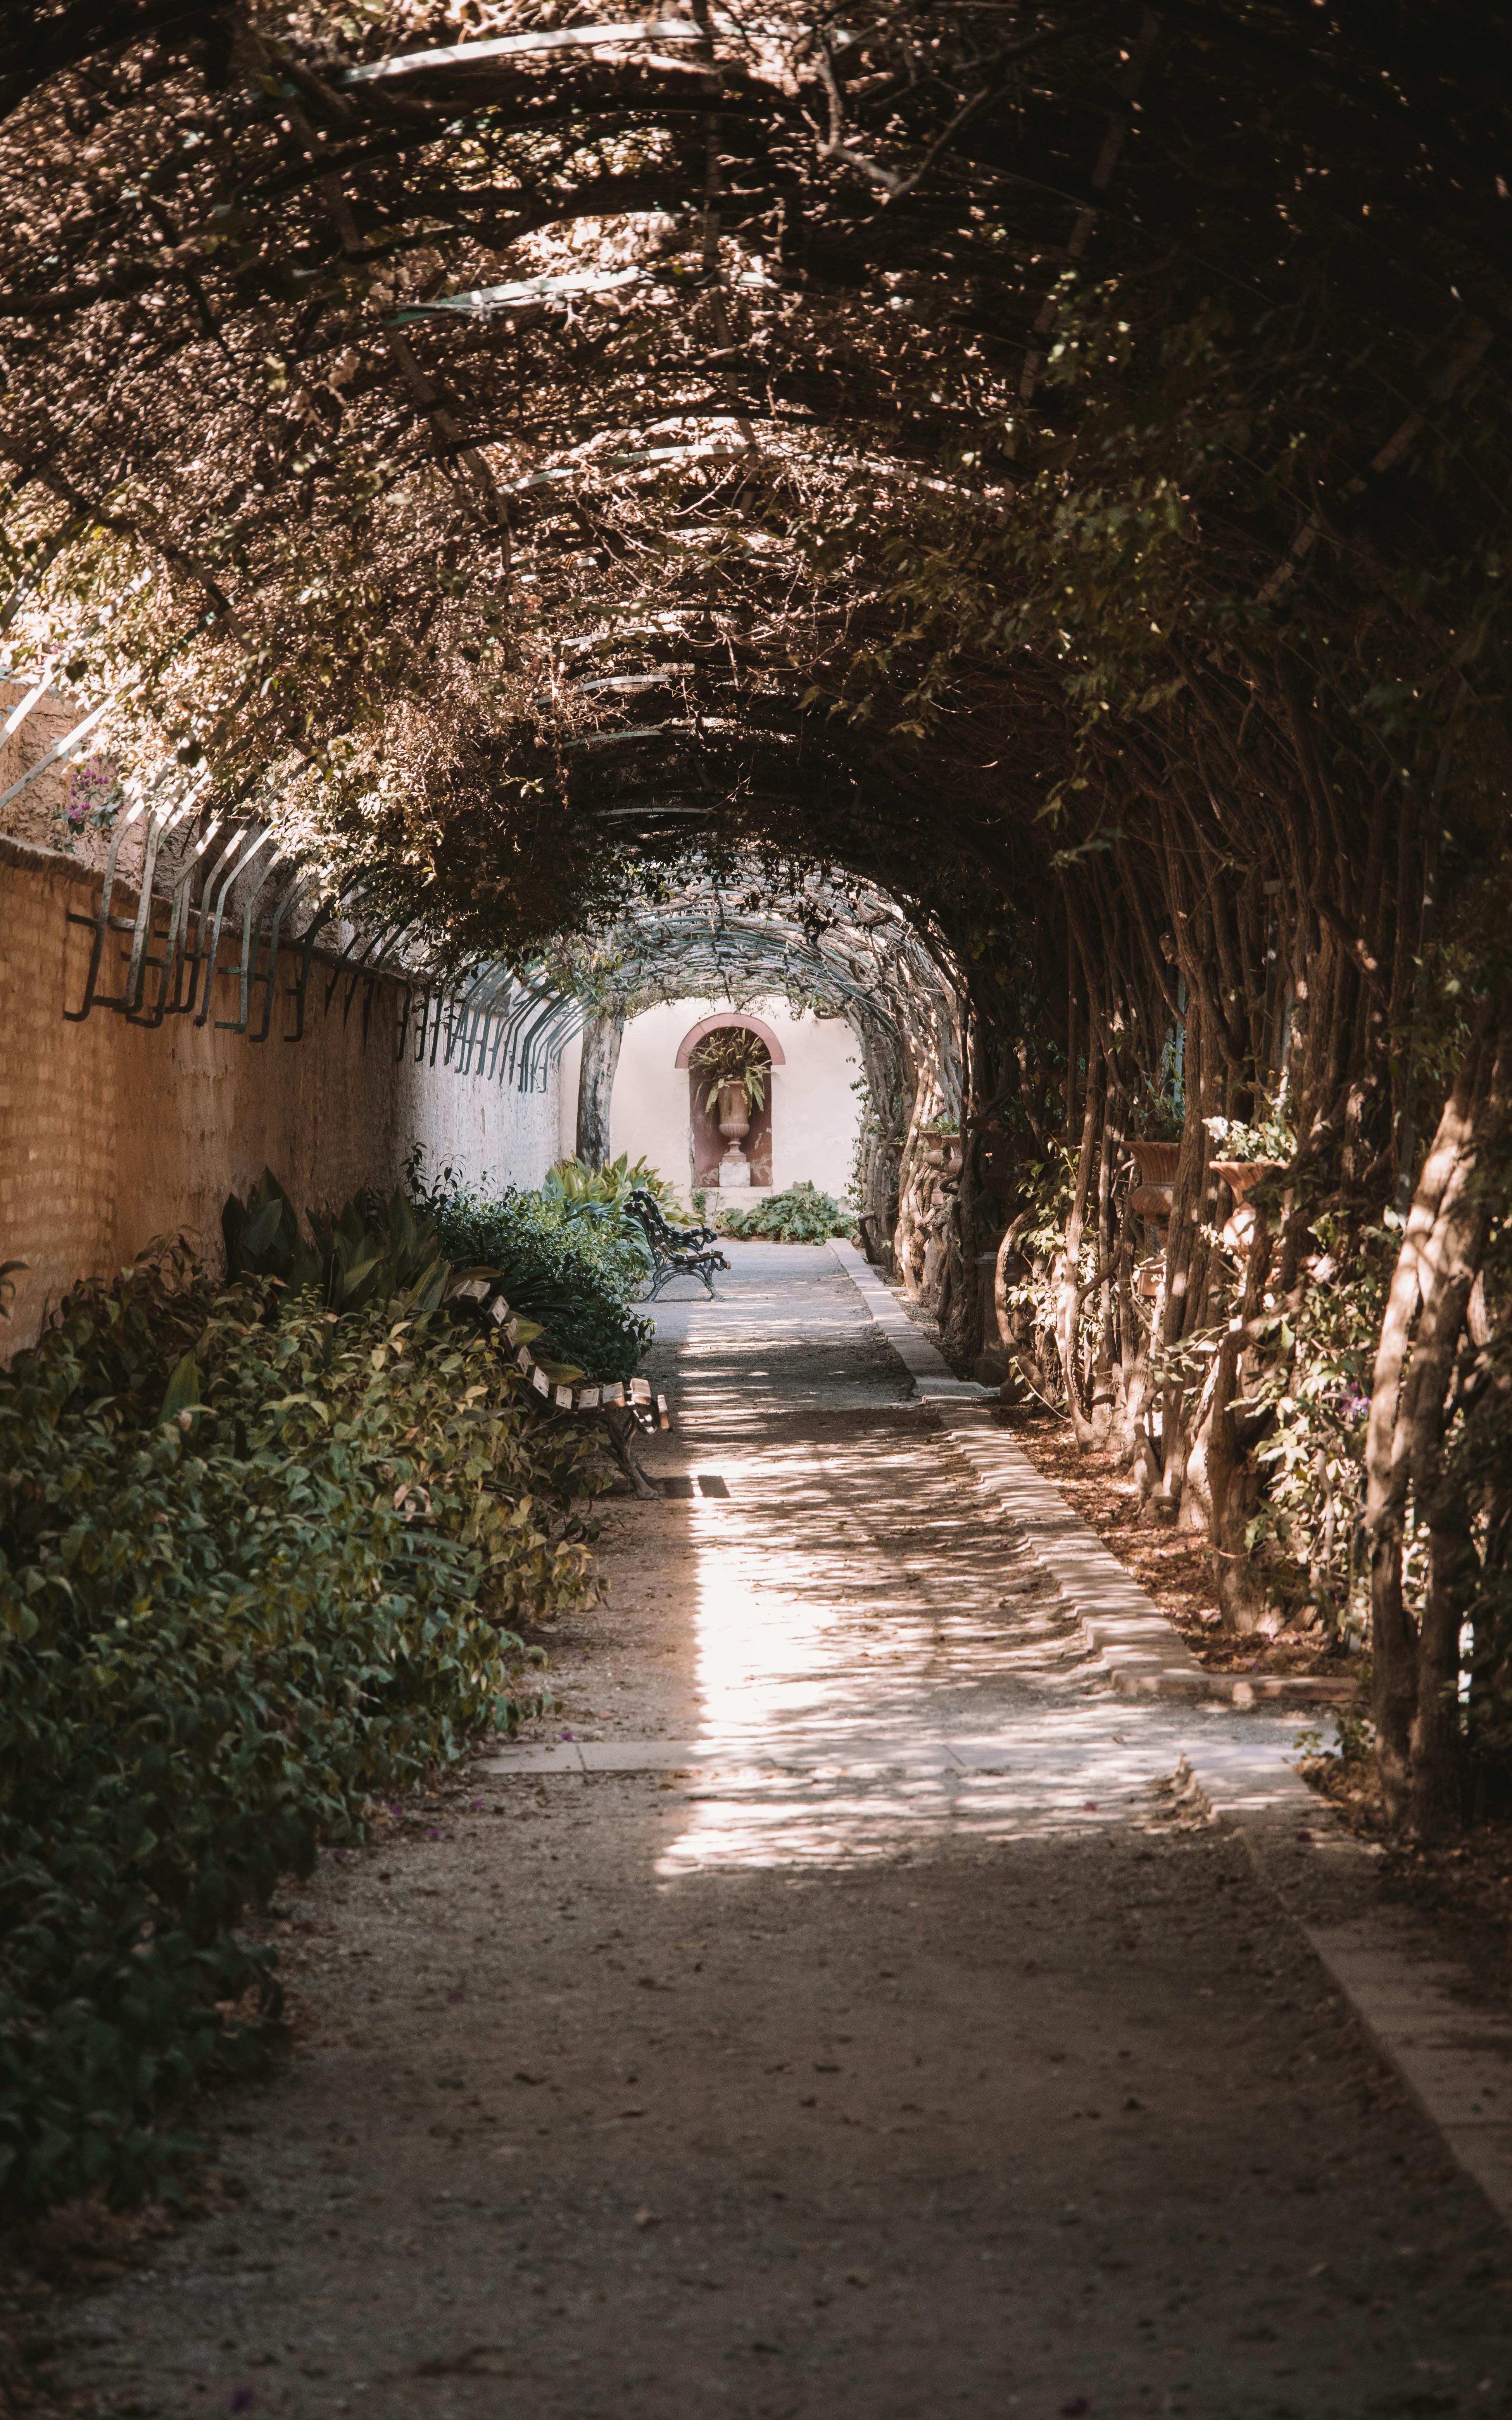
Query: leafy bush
(571, 1183)
(801, 1215)
(573, 1261)
(221, 1631)
(365, 1253)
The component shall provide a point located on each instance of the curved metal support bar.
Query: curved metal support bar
(209, 958)
(286, 906)
(243, 972)
(159, 823)
(102, 921)
(306, 948)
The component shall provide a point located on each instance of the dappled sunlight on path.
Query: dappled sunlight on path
(880, 1667)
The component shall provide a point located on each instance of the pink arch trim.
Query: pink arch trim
(710, 1024)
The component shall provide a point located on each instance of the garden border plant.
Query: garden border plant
(800, 1213)
(260, 1562)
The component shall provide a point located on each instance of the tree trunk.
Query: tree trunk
(1416, 1724)
(1233, 1490)
(602, 1037)
(1069, 1291)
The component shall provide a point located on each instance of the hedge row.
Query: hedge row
(257, 1565)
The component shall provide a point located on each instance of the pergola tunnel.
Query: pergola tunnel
(736, 718)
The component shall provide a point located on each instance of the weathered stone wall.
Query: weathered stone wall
(112, 1133)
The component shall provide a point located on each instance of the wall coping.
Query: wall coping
(29, 858)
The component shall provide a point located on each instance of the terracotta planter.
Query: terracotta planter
(1152, 1197)
(1157, 1161)
(1240, 1176)
(1152, 1201)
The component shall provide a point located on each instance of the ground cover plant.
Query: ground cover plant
(259, 1563)
(800, 1213)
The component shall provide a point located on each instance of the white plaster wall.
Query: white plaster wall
(481, 1129)
(815, 1112)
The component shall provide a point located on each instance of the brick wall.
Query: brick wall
(112, 1133)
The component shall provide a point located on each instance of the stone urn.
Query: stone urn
(1240, 1176)
(1152, 1197)
(734, 1124)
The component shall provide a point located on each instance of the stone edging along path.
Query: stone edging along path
(1455, 2059)
(1136, 1646)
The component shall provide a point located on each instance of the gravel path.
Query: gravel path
(893, 2045)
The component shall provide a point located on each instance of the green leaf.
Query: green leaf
(183, 1390)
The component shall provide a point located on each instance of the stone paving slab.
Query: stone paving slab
(1455, 2059)
(1044, 1747)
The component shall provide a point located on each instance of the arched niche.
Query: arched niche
(706, 1143)
(713, 1024)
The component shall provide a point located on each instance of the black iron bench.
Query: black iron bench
(675, 1251)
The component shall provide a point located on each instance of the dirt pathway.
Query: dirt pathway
(843, 2023)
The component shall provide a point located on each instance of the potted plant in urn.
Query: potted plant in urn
(732, 1067)
(941, 1138)
(1251, 1153)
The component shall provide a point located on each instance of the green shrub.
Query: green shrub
(571, 1183)
(801, 1215)
(367, 1252)
(573, 1263)
(252, 1571)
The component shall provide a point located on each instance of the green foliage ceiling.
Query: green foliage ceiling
(1047, 460)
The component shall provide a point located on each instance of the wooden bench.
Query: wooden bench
(619, 1406)
(675, 1251)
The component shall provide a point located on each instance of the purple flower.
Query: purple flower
(91, 783)
(565, 1734)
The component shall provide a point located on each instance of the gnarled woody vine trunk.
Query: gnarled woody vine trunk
(1259, 973)
(1417, 1662)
